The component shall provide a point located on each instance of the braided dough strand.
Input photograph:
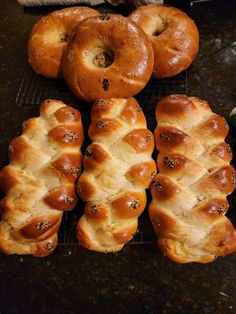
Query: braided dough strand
(117, 169)
(45, 161)
(189, 192)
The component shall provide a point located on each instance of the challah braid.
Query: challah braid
(39, 182)
(189, 192)
(117, 169)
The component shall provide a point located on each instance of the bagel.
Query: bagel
(174, 36)
(108, 56)
(49, 37)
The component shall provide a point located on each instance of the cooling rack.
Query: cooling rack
(34, 89)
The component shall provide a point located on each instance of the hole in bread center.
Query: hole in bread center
(102, 57)
(157, 32)
(157, 27)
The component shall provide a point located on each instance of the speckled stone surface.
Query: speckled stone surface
(138, 279)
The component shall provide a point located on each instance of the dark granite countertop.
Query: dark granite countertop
(138, 279)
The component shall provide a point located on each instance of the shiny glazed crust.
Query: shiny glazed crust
(126, 48)
(189, 193)
(49, 38)
(174, 37)
(117, 169)
(45, 162)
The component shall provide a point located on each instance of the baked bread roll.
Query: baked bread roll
(49, 38)
(174, 37)
(45, 161)
(117, 169)
(109, 56)
(189, 193)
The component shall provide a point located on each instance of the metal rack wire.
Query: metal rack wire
(34, 89)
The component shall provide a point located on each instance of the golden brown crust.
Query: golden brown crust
(45, 247)
(189, 194)
(104, 127)
(85, 241)
(67, 134)
(39, 228)
(68, 166)
(96, 210)
(141, 140)
(169, 138)
(86, 188)
(142, 174)
(222, 180)
(117, 168)
(179, 253)
(94, 157)
(132, 112)
(123, 236)
(62, 198)
(129, 204)
(114, 52)
(66, 114)
(39, 181)
(174, 37)
(49, 38)
(8, 179)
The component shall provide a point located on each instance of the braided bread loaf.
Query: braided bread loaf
(39, 182)
(189, 192)
(117, 169)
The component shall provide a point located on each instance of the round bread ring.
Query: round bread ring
(108, 56)
(49, 37)
(174, 36)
